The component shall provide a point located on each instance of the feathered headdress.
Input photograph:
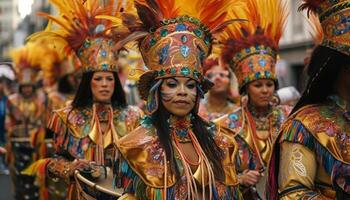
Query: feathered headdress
(334, 18)
(54, 63)
(84, 29)
(317, 31)
(175, 37)
(135, 65)
(251, 48)
(27, 60)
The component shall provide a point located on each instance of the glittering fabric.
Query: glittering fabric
(238, 125)
(324, 130)
(145, 167)
(73, 136)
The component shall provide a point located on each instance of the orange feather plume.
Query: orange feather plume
(211, 13)
(266, 20)
(317, 31)
(310, 6)
(82, 19)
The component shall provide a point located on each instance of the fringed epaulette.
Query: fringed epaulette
(323, 123)
(76, 121)
(141, 148)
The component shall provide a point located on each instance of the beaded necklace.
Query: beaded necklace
(180, 128)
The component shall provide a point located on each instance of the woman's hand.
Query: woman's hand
(250, 177)
(78, 164)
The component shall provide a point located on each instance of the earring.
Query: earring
(244, 100)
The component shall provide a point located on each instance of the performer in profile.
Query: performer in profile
(251, 50)
(175, 154)
(87, 130)
(311, 155)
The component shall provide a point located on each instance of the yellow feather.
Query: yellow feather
(270, 15)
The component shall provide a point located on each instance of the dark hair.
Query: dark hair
(200, 129)
(64, 86)
(83, 97)
(323, 70)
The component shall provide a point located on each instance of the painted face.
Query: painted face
(220, 77)
(261, 92)
(178, 95)
(102, 86)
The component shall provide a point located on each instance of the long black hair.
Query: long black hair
(323, 70)
(65, 86)
(84, 98)
(200, 129)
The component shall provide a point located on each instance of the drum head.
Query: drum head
(101, 188)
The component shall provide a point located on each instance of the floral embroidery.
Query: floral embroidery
(297, 162)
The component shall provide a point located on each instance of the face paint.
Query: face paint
(178, 95)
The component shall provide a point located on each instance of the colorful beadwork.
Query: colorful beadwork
(96, 53)
(334, 16)
(185, 39)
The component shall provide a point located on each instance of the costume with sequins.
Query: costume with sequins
(311, 155)
(251, 49)
(316, 135)
(175, 40)
(144, 167)
(76, 136)
(83, 30)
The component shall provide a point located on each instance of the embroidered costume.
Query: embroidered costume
(84, 30)
(251, 50)
(311, 155)
(146, 167)
(175, 40)
(25, 121)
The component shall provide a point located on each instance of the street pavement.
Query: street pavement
(5, 188)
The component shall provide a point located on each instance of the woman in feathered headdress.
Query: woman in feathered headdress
(311, 156)
(251, 50)
(25, 119)
(87, 130)
(175, 154)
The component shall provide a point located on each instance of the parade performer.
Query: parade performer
(51, 65)
(311, 155)
(61, 83)
(251, 50)
(86, 131)
(220, 99)
(25, 120)
(175, 154)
